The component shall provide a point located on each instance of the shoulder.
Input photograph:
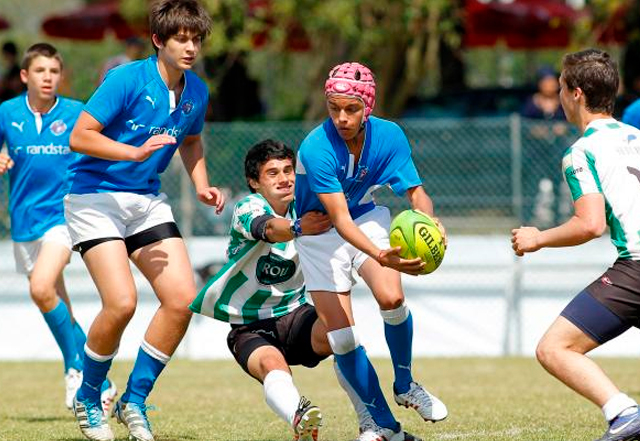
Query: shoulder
(13, 103)
(70, 104)
(386, 127)
(316, 139)
(252, 203)
(131, 73)
(196, 84)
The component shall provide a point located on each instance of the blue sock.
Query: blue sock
(80, 338)
(149, 364)
(359, 373)
(59, 322)
(93, 375)
(399, 339)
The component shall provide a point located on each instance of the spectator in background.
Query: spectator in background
(133, 50)
(542, 151)
(631, 114)
(10, 83)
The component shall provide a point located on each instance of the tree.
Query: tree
(399, 40)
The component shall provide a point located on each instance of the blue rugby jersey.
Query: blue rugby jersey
(38, 179)
(133, 104)
(326, 166)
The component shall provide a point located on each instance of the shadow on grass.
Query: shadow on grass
(40, 419)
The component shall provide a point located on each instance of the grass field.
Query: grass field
(488, 400)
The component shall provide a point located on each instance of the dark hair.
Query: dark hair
(37, 50)
(260, 154)
(10, 48)
(593, 71)
(168, 17)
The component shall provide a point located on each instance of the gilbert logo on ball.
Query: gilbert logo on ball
(418, 236)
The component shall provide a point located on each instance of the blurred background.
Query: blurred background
(474, 83)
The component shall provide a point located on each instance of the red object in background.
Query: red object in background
(521, 24)
(615, 31)
(90, 22)
(4, 23)
(296, 39)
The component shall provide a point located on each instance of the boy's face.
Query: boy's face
(347, 114)
(568, 101)
(181, 50)
(276, 181)
(42, 77)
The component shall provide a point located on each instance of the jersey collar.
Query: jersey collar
(33, 112)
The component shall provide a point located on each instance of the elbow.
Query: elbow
(596, 228)
(74, 141)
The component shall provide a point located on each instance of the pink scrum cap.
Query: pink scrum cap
(354, 80)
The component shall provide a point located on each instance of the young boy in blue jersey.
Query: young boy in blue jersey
(341, 162)
(128, 132)
(261, 291)
(36, 127)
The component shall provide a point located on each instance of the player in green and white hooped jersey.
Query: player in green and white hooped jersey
(261, 292)
(602, 170)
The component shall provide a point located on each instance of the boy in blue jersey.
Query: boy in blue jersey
(128, 133)
(36, 127)
(341, 162)
(602, 170)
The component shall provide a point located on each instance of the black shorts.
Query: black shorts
(290, 334)
(610, 305)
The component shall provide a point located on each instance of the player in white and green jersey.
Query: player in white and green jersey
(261, 293)
(602, 170)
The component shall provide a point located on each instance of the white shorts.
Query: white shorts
(113, 215)
(327, 259)
(26, 253)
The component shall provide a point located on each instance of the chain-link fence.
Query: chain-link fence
(485, 175)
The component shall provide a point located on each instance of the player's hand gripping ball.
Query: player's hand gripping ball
(417, 235)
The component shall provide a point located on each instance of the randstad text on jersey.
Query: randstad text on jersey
(39, 146)
(133, 104)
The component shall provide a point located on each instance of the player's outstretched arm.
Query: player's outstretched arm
(587, 223)
(87, 138)
(338, 210)
(192, 154)
(279, 230)
(6, 163)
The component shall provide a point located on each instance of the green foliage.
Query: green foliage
(398, 39)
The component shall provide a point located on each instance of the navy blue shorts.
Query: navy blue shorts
(610, 305)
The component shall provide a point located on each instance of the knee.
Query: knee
(391, 301)
(178, 308)
(42, 293)
(547, 352)
(123, 310)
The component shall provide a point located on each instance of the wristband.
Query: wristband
(296, 228)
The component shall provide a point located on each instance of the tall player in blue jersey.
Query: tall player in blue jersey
(341, 162)
(36, 127)
(128, 132)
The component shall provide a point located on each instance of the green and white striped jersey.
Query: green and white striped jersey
(606, 160)
(260, 280)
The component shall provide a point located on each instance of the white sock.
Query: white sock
(619, 404)
(358, 405)
(395, 316)
(281, 394)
